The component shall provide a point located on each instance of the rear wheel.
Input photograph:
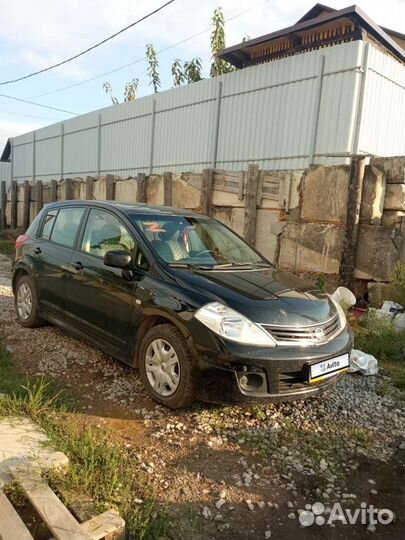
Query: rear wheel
(165, 365)
(26, 303)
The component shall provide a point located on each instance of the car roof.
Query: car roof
(129, 208)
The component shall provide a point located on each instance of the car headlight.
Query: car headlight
(231, 325)
(341, 313)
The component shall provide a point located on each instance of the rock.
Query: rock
(250, 504)
(261, 504)
(371, 482)
(323, 465)
(373, 492)
(372, 206)
(219, 503)
(267, 534)
(206, 512)
(392, 167)
(395, 197)
(291, 515)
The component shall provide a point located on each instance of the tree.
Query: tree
(153, 66)
(179, 77)
(108, 90)
(193, 70)
(130, 91)
(218, 66)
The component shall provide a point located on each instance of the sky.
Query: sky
(37, 34)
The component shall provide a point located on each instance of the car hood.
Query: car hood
(266, 296)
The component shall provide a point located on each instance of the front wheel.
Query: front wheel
(165, 365)
(26, 303)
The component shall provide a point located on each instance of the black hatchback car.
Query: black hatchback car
(181, 297)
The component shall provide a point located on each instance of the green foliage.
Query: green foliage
(130, 91)
(108, 90)
(153, 67)
(178, 75)
(193, 70)
(218, 42)
(376, 335)
(6, 245)
(320, 282)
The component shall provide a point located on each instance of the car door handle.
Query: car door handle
(78, 265)
(37, 250)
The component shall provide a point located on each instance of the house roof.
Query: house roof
(238, 54)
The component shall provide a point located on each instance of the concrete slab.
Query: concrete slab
(22, 442)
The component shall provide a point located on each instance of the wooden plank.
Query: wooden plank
(26, 208)
(11, 525)
(39, 188)
(206, 194)
(52, 511)
(109, 187)
(141, 187)
(249, 228)
(54, 190)
(14, 202)
(167, 188)
(108, 525)
(89, 188)
(241, 189)
(3, 205)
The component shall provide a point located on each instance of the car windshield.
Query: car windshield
(195, 241)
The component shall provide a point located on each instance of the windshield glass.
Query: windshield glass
(190, 240)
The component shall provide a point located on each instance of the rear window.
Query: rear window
(61, 226)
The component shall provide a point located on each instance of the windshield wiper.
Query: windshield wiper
(193, 266)
(242, 264)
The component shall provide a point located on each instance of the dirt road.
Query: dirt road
(232, 472)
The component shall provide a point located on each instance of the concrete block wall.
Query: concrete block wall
(300, 228)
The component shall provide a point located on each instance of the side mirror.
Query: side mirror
(118, 259)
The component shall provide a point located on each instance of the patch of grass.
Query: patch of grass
(6, 245)
(377, 336)
(98, 466)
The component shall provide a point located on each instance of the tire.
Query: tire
(164, 345)
(27, 316)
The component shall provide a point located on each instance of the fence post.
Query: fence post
(26, 211)
(216, 126)
(33, 155)
(68, 195)
(54, 191)
(249, 227)
(14, 202)
(206, 193)
(99, 145)
(62, 148)
(318, 99)
(167, 189)
(39, 196)
(141, 187)
(349, 249)
(109, 187)
(89, 188)
(152, 136)
(3, 205)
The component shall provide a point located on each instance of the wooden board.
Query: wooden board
(109, 524)
(11, 525)
(52, 511)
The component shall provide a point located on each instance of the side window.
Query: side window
(49, 223)
(104, 232)
(66, 225)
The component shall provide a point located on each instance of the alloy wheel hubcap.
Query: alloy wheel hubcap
(162, 367)
(24, 302)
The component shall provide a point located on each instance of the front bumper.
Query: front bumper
(278, 374)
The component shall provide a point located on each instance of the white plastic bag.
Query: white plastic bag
(344, 297)
(365, 363)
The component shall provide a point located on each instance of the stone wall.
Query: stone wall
(300, 215)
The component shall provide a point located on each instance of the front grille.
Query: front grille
(292, 380)
(315, 334)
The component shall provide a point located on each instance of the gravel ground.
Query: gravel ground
(234, 472)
